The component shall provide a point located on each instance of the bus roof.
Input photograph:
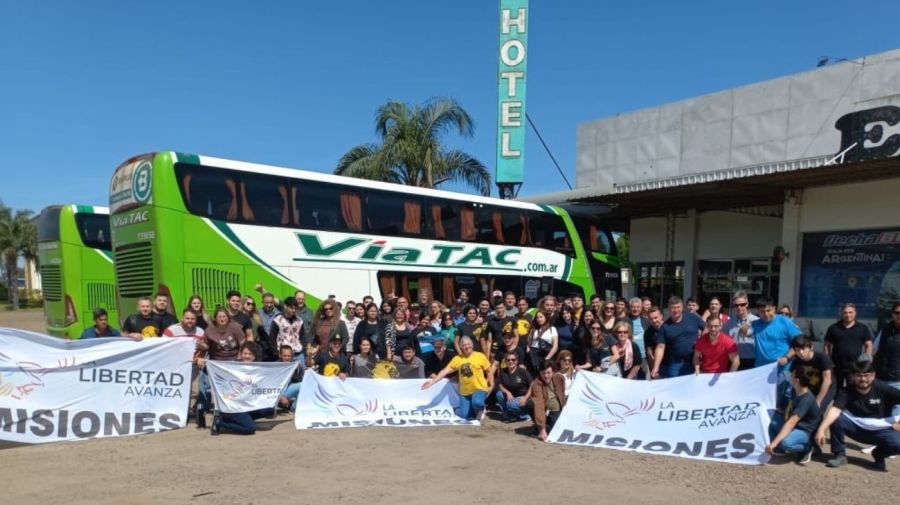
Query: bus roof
(350, 181)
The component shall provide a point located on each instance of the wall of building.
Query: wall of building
(788, 118)
(848, 207)
(718, 235)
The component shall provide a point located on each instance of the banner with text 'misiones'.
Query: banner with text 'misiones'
(245, 387)
(329, 402)
(716, 417)
(53, 389)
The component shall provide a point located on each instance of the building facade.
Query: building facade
(788, 187)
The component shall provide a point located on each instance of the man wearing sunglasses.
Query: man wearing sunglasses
(740, 328)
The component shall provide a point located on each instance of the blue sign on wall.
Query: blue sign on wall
(861, 267)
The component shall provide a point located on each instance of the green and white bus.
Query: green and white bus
(184, 224)
(77, 275)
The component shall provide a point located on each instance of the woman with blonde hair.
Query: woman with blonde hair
(625, 352)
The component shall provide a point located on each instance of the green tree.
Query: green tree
(411, 151)
(18, 237)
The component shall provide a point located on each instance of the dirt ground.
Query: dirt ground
(495, 463)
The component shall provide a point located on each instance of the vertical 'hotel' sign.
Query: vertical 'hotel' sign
(511, 97)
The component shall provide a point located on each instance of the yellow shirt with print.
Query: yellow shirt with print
(472, 372)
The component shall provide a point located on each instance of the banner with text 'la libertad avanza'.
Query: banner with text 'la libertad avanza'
(53, 389)
(716, 417)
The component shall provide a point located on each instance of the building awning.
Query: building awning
(746, 187)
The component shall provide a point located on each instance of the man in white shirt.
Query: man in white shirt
(740, 329)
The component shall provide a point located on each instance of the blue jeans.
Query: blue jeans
(242, 423)
(886, 441)
(471, 405)
(677, 368)
(511, 408)
(291, 392)
(796, 441)
(204, 401)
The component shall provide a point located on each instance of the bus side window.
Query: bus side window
(445, 221)
(393, 214)
(514, 226)
(548, 231)
(328, 206)
(209, 193)
(264, 200)
(488, 225)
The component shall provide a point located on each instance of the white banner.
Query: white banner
(872, 423)
(721, 417)
(245, 387)
(53, 389)
(328, 402)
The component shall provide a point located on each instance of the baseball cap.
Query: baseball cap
(336, 338)
(497, 292)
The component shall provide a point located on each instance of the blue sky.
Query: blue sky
(86, 85)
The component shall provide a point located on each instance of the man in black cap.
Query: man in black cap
(333, 362)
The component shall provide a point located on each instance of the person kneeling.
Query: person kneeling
(862, 411)
(242, 423)
(548, 393)
(794, 435)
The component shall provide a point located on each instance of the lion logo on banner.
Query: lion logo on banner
(615, 413)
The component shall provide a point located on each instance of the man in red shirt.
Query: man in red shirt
(715, 352)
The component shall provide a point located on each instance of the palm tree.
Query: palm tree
(411, 151)
(17, 237)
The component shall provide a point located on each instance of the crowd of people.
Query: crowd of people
(523, 359)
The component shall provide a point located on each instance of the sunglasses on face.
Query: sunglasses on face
(740, 304)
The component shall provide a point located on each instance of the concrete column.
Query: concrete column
(789, 282)
(689, 237)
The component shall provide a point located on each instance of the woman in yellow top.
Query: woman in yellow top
(475, 379)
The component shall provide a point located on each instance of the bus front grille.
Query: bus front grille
(51, 283)
(213, 284)
(101, 294)
(134, 270)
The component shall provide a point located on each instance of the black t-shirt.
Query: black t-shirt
(847, 343)
(165, 319)
(807, 409)
(473, 331)
(887, 360)
(243, 320)
(330, 366)
(496, 328)
(877, 403)
(597, 355)
(500, 356)
(433, 364)
(406, 337)
(815, 366)
(517, 382)
(146, 326)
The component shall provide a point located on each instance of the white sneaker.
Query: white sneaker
(867, 450)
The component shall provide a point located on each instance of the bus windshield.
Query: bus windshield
(94, 230)
(48, 225)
